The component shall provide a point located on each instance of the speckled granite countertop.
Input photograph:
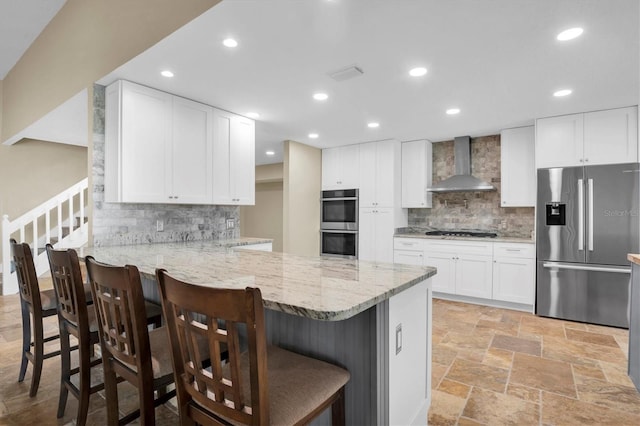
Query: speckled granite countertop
(324, 288)
(498, 239)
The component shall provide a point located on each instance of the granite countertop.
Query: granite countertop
(634, 258)
(324, 288)
(498, 239)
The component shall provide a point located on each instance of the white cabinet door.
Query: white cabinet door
(367, 234)
(340, 167)
(474, 275)
(384, 235)
(416, 174)
(518, 170)
(559, 141)
(611, 136)
(144, 145)
(378, 173)
(444, 280)
(191, 177)
(514, 280)
(233, 159)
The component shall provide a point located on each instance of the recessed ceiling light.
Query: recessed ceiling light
(313, 135)
(320, 96)
(229, 42)
(373, 124)
(253, 115)
(418, 72)
(563, 92)
(166, 73)
(569, 34)
(453, 111)
(270, 153)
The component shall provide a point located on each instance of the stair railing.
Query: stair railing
(77, 236)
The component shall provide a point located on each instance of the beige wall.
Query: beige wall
(301, 198)
(85, 41)
(269, 173)
(264, 219)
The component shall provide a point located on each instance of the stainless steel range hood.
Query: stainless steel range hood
(462, 181)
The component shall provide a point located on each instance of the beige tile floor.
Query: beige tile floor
(496, 367)
(490, 366)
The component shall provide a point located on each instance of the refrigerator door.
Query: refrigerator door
(612, 222)
(597, 294)
(559, 215)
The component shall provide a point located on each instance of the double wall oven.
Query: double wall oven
(339, 223)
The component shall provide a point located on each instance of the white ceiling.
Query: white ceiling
(21, 21)
(497, 60)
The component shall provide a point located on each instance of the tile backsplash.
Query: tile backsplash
(126, 223)
(473, 210)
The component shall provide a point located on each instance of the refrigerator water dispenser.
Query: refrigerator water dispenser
(556, 214)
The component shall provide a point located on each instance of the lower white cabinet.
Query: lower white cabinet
(500, 271)
(514, 273)
(375, 234)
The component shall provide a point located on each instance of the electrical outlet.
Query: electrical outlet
(231, 224)
(398, 338)
(159, 225)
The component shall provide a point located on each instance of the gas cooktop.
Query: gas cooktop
(462, 234)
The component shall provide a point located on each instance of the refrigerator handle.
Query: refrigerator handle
(580, 214)
(590, 218)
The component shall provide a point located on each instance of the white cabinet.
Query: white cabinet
(158, 147)
(379, 174)
(599, 137)
(514, 272)
(340, 167)
(466, 266)
(375, 234)
(234, 159)
(416, 174)
(408, 251)
(518, 170)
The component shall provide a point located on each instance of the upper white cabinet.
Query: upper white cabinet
(379, 173)
(234, 159)
(416, 174)
(158, 147)
(518, 170)
(161, 148)
(340, 167)
(599, 137)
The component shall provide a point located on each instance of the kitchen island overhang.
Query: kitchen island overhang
(372, 318)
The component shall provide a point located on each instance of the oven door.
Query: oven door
(339, 213)
(339, 243)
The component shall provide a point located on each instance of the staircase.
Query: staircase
(69, 230)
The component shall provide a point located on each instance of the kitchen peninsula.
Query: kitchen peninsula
(372, 318)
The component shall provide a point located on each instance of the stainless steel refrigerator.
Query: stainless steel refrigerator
(586, 223)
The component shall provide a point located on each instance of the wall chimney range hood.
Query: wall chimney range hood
(462, 181)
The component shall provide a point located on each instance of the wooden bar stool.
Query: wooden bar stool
(260, 386)
(78, 319)
(129, 350)
(35, 305)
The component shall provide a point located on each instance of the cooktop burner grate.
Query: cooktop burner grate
(462, 234)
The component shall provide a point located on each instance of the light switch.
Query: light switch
(159, 225)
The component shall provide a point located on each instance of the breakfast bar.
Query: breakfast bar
(372, 318)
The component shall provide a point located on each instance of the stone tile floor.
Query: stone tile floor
(490, 366)
(496, 367)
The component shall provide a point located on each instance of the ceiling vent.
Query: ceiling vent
(346, 73)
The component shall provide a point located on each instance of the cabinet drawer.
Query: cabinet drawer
(523, 250)
(408, 244)
(460, 247)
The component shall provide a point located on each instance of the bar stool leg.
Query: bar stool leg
(65, 368)
(85, 384)
(38, 354)
(26, 339)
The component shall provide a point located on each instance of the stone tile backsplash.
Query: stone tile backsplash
(473, 210)
(125, 223)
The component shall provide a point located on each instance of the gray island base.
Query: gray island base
(372, 318)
